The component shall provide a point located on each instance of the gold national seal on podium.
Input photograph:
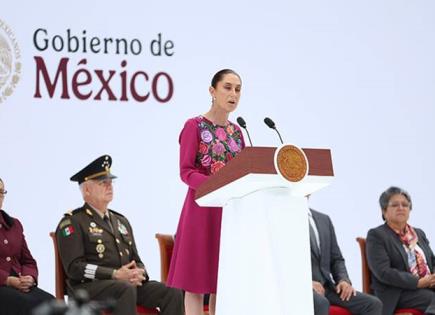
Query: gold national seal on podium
(291, 163)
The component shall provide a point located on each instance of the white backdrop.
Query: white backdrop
(355, 76)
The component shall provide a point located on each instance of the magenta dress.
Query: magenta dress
(204, 149)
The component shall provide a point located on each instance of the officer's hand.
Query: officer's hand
(139, 277)
(138, 274)
(345, 290)
(131, 265)
(123, 273)
(318, 287)
(128, 272)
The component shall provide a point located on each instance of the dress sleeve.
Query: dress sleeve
(28, 263)
(189, 142)
(3, 277)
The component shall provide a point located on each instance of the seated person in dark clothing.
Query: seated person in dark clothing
(400, 258)
(331, 283)
(99, 254)
(19, 293)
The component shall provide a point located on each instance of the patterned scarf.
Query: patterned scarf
(416, 261)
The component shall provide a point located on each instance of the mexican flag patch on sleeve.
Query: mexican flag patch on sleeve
(67, 231)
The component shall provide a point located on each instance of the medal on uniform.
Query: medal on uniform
(100, 249)
(93, 224)
(122, 229)
(96, 231)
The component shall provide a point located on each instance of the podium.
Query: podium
(265, 260)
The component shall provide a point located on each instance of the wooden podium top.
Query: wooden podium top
(260, 160)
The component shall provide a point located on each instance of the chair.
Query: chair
(367, 279)
(338, 310)
(166, 246)
(60, 280)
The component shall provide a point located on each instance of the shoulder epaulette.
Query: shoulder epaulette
(117, 213)
(68, 213)
(78, 210)
(71, 212)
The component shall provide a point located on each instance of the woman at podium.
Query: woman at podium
(207, 143)
(19, 294)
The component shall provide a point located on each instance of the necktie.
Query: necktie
(313, 241)
(107, 220)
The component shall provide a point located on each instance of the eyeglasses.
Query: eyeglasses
(3, 192)
(396, 205)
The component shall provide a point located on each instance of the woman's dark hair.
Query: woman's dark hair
(385, 197)
(220, 74)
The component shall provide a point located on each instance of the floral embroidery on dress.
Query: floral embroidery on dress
(218, 144)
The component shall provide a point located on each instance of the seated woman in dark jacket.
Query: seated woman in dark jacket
(18, 271)
(399, 257)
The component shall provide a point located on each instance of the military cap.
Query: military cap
(98, 169)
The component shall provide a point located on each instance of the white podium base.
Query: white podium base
(265, 262)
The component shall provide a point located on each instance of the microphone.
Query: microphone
(242, 123)
(269, 122)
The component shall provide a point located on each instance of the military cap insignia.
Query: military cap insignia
(98, 169)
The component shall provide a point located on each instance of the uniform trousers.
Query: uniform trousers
(151, 294)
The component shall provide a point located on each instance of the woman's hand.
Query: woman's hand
(13, 282)
(27, 282)
(427, 281)
(22, 283)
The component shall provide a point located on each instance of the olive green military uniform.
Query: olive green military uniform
(91, 249)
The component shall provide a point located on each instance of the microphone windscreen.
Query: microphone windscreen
(269, 122)
(241, 122)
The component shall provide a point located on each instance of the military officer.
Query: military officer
(99, 253)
